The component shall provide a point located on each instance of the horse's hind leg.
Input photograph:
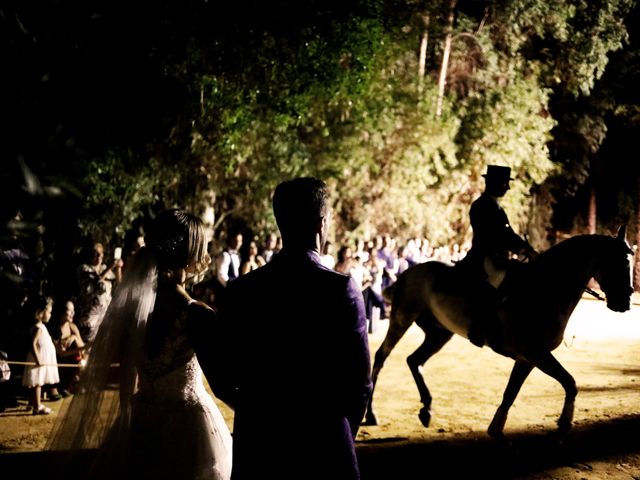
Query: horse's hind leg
(399, 323)
(519, 374)
(435, 339)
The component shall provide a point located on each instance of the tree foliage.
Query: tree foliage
(145, 106)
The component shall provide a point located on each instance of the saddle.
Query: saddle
(502, 275)
(488, 284)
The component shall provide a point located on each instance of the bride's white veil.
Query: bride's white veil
(102, 401)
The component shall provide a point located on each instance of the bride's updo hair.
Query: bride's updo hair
(177, 240)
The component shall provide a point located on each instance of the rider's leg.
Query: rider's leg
(484, 315)
(473, 280)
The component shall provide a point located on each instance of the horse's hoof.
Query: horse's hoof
(557, 437)
(563, 428)
(561, 434)
(370, 419)
(495, 433)
(500, 438)
(425, 416)
(503, 442)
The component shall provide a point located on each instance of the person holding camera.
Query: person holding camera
(96, 281)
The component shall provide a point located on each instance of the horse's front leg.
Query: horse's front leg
(549, 365)
(519, 374)
(370, 417)
(398, 325)
(435, 339)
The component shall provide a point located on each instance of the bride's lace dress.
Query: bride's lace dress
(176, 429)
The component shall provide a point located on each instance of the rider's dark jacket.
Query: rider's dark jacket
(492, 233)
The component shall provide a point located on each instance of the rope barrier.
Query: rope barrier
(64, 365)
(44, 364)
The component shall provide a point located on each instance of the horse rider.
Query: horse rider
(495, 240)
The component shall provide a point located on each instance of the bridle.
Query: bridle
(594, 293)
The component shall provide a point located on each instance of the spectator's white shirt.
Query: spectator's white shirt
(224, 261)
(358, 272)
(328, 261)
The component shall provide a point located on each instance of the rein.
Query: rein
(595, 294)
(569, 343)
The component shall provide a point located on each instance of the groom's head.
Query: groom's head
(301, 208)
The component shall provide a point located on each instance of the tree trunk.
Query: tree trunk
(591, 217)
(636, 264)
(422, 61)
(442, 80)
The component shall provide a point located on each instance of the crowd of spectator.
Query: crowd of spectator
(42, 359)
(373, 264)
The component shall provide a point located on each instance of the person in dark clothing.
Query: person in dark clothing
(495, 241)
(294, 352)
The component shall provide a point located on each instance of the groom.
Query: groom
(292, 358)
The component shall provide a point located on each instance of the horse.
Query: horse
(528, 330)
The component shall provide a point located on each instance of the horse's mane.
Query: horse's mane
(566, 257)
(572, 247)
(570, 255)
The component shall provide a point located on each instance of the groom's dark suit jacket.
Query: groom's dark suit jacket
(293, 360)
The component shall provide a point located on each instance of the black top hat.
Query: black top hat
(498, 173)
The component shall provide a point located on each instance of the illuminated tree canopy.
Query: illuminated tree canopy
(123, 108)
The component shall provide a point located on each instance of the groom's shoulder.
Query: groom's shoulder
(276, 272)
(253, 278)
(331, 276)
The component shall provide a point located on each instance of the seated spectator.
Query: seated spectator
(7, 400)
(253, 260)
(70, 349)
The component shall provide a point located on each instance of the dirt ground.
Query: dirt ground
(601, 350)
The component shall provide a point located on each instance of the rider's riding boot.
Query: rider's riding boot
(476, 334)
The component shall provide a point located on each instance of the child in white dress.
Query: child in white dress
(41, 368)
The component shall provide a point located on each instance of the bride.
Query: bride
(141, 400)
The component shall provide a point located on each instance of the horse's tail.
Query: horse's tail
(387, 293)
(396, 287)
